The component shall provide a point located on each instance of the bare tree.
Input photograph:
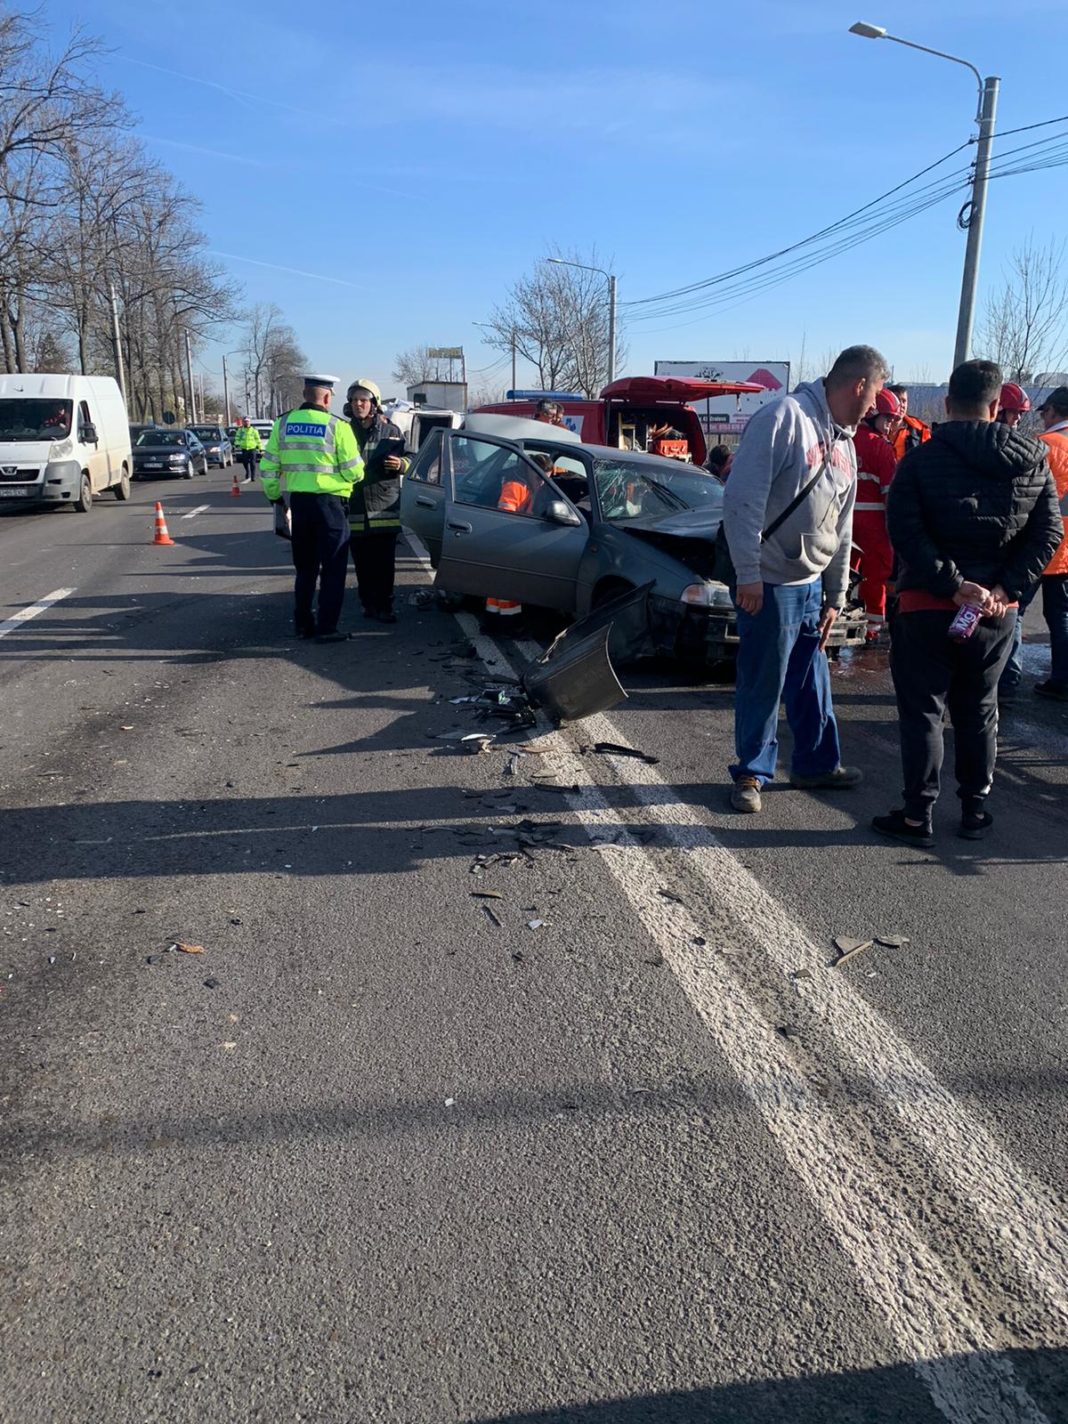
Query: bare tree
(558, 319)
(414, 366)
(1025, 324)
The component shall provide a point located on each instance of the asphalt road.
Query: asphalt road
(385, 1152)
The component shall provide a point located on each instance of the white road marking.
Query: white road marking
(922, 1301)
(25, 614)
(194, 512)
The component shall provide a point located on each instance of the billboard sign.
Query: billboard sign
(727, 415)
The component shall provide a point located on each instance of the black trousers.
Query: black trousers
(375, 559)
(248, 460)
(931, 673)
(320, 556)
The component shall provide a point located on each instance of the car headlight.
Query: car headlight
(706, 595)
(177, 459)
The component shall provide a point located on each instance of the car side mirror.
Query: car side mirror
(560, 512)
(89, 434)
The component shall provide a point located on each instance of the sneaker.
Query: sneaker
(897, 828)
(335, 637)
(974, 825)
(1055, 691)
(745, 795)
(842, 778)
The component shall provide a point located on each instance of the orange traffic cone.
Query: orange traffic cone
(235, 488)
(161, 535)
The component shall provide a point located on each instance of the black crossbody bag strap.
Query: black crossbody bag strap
(795, 503)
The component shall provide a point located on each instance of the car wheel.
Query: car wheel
(84, 503)
(122, 489)
(190, 471)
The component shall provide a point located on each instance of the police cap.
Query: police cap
(324, 382)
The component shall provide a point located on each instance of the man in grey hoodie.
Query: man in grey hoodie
(792, 585)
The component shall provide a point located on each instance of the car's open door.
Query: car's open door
(509, 532)
(422, 506)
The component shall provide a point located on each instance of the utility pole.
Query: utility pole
(120, 369)
(611, 327)
(977, 212)
(226, 394)
(513, 358)
(189, 378)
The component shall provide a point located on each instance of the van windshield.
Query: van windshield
(30, 418)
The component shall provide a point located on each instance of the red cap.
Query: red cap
(886, 403)
(1014, 397)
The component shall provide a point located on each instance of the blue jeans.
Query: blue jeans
(779, 660)
(1013, 674)
(1055, 611)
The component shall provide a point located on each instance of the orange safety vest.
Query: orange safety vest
(1057, 441)
(516, 497)
(910, 434)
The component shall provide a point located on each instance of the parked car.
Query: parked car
(135, 430)
(602, 522)
(216, 442)
(169, 452)
(63, 439)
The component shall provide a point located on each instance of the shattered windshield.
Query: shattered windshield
(627, 490)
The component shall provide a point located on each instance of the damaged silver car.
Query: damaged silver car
(544, 520)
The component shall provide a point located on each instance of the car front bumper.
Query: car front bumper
(709, 635)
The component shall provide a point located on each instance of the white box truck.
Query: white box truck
(63, 439)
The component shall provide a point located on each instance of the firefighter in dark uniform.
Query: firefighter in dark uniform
(374, 506)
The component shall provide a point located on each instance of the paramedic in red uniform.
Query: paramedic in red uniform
(876, 463)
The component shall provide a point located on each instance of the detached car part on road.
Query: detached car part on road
(600, 523)
(168, 452)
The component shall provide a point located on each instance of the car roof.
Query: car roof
(613, 452)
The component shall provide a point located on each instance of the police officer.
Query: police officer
(374, 506)
(313, 457)
(248, 445)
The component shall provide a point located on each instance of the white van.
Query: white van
(62, 440)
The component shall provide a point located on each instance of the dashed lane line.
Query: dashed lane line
(25, 614)
(194, 512)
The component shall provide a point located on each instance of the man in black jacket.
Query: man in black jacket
(374, 509)
(973, 518)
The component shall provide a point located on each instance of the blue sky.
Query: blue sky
(423, 157)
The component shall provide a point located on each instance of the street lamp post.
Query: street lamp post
(988, 103)
(610, 276)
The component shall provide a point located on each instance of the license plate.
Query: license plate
(12, 493)
(153, 464)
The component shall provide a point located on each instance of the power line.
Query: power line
(864, 224)
(813, 237)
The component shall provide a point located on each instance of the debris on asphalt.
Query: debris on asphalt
(211, 983)
(535, 924)
(153, 958)
(891, 941)
(492, 915)
(229, 1045)
(450, 1102)
(670, 895)
(787, 1031)
(476, 742)
(184, 948)
(699, 940)
(849, 948)
(615, 749)
(487, 895)
(800, 974)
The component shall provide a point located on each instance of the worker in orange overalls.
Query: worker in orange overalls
(876, 463)
(502, 615)
(910, 432)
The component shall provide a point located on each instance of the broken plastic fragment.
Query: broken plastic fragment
(891, 941)
(535, 924)
(184, 948)
(211, 983)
